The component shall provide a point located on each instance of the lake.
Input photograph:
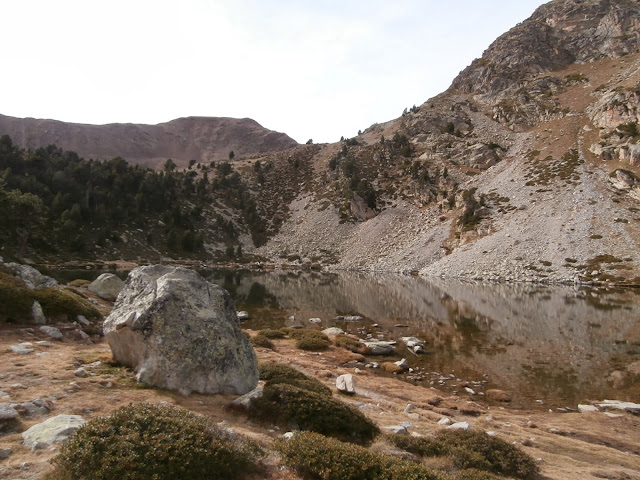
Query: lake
(549, 346)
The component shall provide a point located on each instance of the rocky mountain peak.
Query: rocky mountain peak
(558, 34)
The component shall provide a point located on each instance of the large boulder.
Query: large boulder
(180, 332)
(31, 277)
(107, 286)
(53, 430)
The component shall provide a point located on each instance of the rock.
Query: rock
(397, 429)
(31, 277)
(22, 348)
(5, 453)
(414, 344)
(379, 347)
(7, 412)
(498, 395)
(333, 331)
(459, 426)
(409, 408)
(350, 318)
(37, 314)
(180, 332)
(315, 320)
(243, 315)
(360, 209)
(53, 430)
(288, 435)
(344, 383)
(82, 320)
(107, 286)
(587, 408)
(445, 421)
(80, 372)
(245, 400)
(403, 364)
(52, 332)
(619, 405)
(35, 407)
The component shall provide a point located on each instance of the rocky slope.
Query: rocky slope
(203, 139)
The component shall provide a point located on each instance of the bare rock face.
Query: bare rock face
(180, 332)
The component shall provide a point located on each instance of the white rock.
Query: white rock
(345, 384)
(52, 332)
(243, 315)
(445, 421)
(619, 405)
(587, 408)
(82, 320)
(37, 314)
(53, 430)
(397, 429)
(315, 320)
(459, 426)
(402, 363)
(107, 286)
(22, 348)
(180, 332)
(333, 331)
(288, 435)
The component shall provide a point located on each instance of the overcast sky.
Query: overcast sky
(315, 69)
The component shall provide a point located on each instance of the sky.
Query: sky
(314, 69)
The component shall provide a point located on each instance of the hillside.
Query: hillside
(525, 169)
(203, 139)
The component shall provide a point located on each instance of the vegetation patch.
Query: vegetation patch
(143, 441)
(313, 340)
(472, 450)
(544, 172)
(314, 456)
(349, 343)
(260, 340)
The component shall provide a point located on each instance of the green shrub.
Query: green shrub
(472, 450)
(273, 334)
(143, 441)
(275, 373)
(314, 456)
(260, 340)
(298, 408)
(310, 339)
(15, 300)
(351, 344)
(58, 301)
(271, 370)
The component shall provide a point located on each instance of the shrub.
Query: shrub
(271, 370)
(314, 456)
(472, 450)
(281, 374)
(260, 340)
(143, 441)
(310, 339)
(303, 409)
(273, 334)
(351, 344)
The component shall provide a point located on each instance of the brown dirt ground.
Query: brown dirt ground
(569, 445)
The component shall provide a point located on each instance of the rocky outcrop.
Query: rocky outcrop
(107, 286)
(31, 277)
(180, 332)
(203, 139)
(53, 430)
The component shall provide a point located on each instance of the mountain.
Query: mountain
(526, 169)
(203, 139)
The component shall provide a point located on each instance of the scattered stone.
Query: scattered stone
(379, 347)
(82, 320)
(44, 343)
(402, 364)
(5, 453)
(37, 314)
(33, 408)
(7, 412)
(180, 332)
(53, 430)
(22, 348)
(31, 277)
(315, 320)
(619, 405)
(587, 408)
(52, 332)
(445, 421)
(349, 318)
(245, 400)
(344, 383)
(80, 372)
(288, 435)
(459, 426)
(498, 395)
(397, 429)
(409, 408)
(414, 344)
(372, 365)
(243, 315)
(470, 391)
(107, 286)
(614, 415)
(333, 331)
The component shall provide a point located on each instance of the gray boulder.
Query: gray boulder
(180, 332)
(37, 314)
(107, 286)
(51, 332)
(31, 277)
(53, 430)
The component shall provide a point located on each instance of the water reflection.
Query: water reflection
(556, 344)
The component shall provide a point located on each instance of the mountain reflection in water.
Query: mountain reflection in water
(559, 345)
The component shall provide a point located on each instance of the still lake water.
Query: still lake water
(550, 346)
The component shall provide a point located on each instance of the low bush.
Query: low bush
(273, 334)
(314, 456)
(143, 441)
(271, 370)
(310, 339)
(351, 344)
(260, 340)
(299, 408)
(472, 450)
(275, 373)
